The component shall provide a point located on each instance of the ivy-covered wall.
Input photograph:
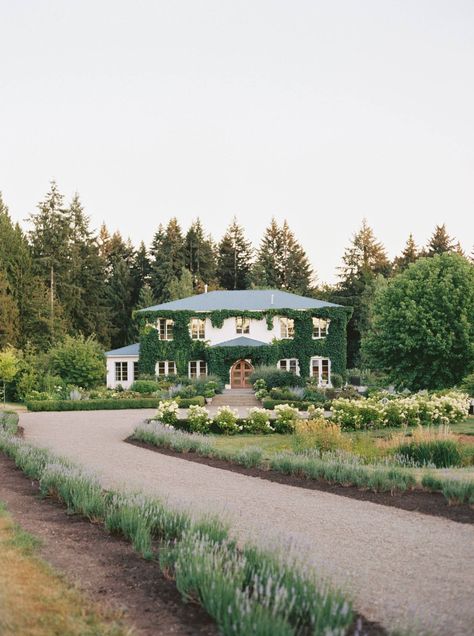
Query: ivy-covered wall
(182, 348)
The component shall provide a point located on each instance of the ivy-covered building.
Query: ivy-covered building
(228, 333)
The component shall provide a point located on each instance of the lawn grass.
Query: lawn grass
(35, 600)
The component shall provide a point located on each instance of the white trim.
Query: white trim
(285, 327)
(200, 320)
(297, 371)
(326, 321)
(320, 359)
(167, 368)
(199, 373)
(169, 322)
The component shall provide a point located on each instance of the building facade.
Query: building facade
(229, 333)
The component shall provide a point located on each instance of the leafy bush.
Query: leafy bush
(439, 453)
(271, 404)
(313, 394)
(258, 422)
(286, 418)
(274, 377)
(9, 422)
(185, 403)
(467, 385)
(198, 419)
(337, 380)
(145, 386)
(225, 421)
(167, 411)
(79, 361)
(91, 405)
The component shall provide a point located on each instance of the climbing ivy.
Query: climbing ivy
(182, 348)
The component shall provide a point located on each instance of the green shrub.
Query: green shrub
(337, 380)
(91, 405)
(276, 377)
(145, 386)
(225, 421)
(185, 403)
(258, 422)
(269, 403)
(467, 384)
(9, 422)
(78, 361)
(441, 453)
(198, 419)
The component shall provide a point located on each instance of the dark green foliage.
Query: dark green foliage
(145, 386)
(440, 242)
(92, 405)
(409, 255)
(423, 332)
(468, 384)
(441, 453)
(234, 259)
(182, 348)
(199, 255)
(9, 315)
(337, 380)
(270, 403)
(167, 250)
(282, 262)
(276, 378)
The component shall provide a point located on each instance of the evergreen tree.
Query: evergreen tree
(146, 298)
(199, 255)
(440, 242)
(167, 251)
(181, 287)
(409, 255)
(282, 262)
(141, 270)
(363, 260)
(234, 260)
(9, 315)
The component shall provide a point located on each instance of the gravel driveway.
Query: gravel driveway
(403, 569)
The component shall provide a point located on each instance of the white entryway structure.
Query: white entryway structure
(122, 366)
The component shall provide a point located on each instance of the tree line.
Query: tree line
(63, 278)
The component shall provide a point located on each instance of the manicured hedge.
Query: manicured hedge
(98, 405)
(269, 403)
(91, 405)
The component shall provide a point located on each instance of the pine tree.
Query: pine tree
(282, 262)
(146, 298)
(167, 250)
(409, 255)
(181, 287)
(199, 255)
(141, 270)
(363, 260)
(9, 315)
(440, 242)
(234, 259)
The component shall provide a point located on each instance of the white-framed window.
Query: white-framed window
(197, 368)
(121, 371)
(165, 367)
(320, 368)
(197, 328)
(320, 328)
(165, 328)
(135, 370)
(289, 364)
(287, 327)
(242, 325)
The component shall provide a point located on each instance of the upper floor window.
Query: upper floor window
(198, 328)
(321, 370)
(197, 368)
(287, 327)
(320, 328)
(121, 371)
(165, 328)
(242, 325)
(165, 367)
(289, 364)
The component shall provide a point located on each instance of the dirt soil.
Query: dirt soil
(107, 569)
(421, 501)
(104, 567)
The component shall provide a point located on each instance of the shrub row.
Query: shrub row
(246, 591)
(269, 403)
(95, 405)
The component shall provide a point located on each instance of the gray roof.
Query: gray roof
(241, 341)
(129, 350)
(243, 300)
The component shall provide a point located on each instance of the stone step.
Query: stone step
(228, 399)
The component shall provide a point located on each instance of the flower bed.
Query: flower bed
(395, 411)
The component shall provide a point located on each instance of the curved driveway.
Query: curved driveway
(404, 569)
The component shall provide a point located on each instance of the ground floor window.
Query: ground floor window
(289, 364)
(321, 370)
(121, 371)
(165, 367)
(197, 368)
(135, 370)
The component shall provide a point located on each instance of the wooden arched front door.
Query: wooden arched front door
(239, 375)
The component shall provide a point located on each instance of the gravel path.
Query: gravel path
(403, 569)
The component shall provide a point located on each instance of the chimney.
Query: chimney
(205, 289)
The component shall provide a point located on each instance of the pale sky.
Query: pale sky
(322, 112)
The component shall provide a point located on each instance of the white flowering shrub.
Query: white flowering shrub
(198, 419)
(167, 411)
(225, 421)
(414, 410)
(315, 412)
(258, 422)
(286, 418)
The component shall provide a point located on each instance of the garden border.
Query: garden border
(423, 502)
